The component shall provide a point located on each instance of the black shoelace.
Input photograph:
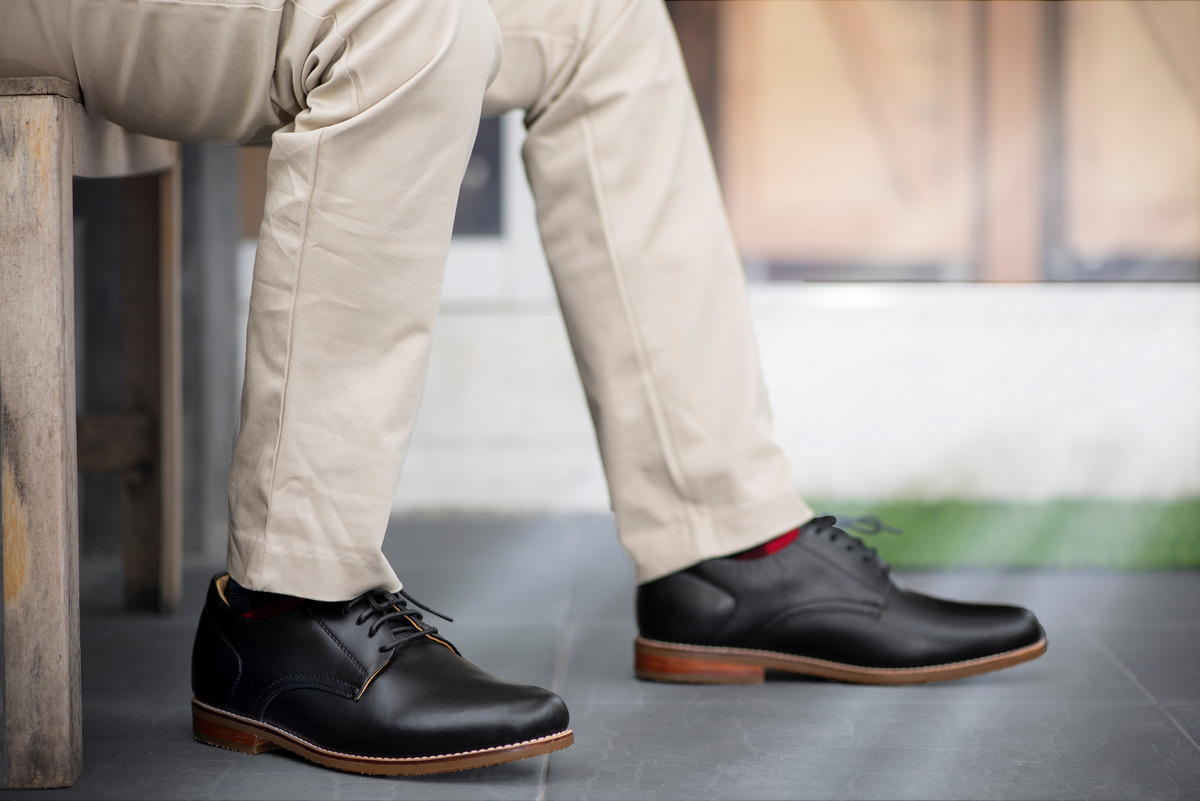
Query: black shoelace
(391, 609)
(869, 525)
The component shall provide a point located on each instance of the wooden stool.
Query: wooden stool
(46, 138)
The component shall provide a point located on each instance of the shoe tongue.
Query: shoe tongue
(409, 620)
(820, 525)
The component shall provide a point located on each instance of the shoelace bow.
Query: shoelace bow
(391, 609)
(839, 528)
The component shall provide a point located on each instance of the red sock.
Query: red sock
(769, 547)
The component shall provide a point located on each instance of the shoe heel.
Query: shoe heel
(679, 664)
(223, 732)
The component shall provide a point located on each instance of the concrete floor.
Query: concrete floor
(1111, 712)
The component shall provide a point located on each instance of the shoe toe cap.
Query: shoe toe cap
(953, 631)
(477, 711)
(498, 710)
(531, 714)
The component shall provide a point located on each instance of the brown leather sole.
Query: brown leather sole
(699, 664)
(226, 730)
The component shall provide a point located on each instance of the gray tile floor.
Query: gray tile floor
(1111, 712)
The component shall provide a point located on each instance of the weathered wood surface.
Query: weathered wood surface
(101, 149)
(45, 139)
(42, 733)
(151, 333)
(39, 85)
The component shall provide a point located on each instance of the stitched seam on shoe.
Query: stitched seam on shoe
(271, 693)
(333, 637)
(718, 649)
(290, 735)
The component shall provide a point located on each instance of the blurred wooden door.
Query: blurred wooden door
(955, 140)
(1129, 139)
(847, 137)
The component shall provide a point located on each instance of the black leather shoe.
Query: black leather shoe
(824, 606)
(363, 685)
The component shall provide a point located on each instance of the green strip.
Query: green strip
(1128, 535)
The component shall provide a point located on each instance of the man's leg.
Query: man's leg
(360, 202)
(649, 279)
(655, 304)
(372, 107)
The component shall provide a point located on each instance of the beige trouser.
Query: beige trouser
(372, 106)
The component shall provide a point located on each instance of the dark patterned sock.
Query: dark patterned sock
(769, 547)
(257, 605)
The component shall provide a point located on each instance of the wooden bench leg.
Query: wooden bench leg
(151, 355)
(41, 695)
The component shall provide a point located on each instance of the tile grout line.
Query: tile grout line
(562, 650)
(1129, 674)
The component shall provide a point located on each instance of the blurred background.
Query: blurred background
(972, 236)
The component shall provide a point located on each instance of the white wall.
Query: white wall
(975, 391)
(880, 391)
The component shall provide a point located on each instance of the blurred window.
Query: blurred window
(478, 211)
